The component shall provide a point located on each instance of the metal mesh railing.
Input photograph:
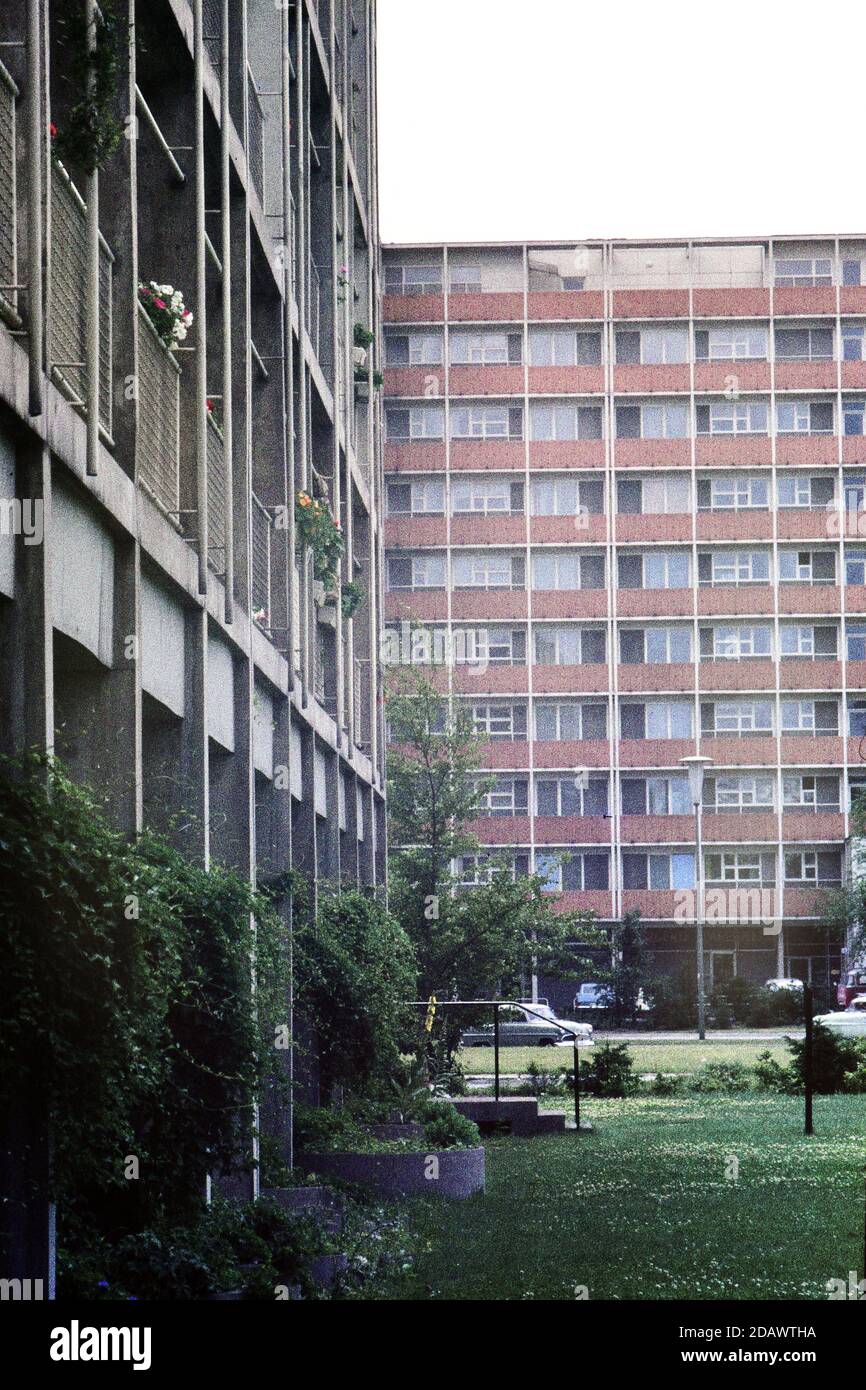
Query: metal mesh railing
(67, 319)
(158, 418)
(314, 308)
(8, 211)
(212, 25)
(362, 701)
(256, 149)
(260, 560)
(217, 498)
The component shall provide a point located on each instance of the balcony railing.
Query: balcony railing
(314, 308)
(262, 533)
(256, 147)
(362, 702)
(8, 199)
(67, 317)
(158, 418)
(217, 497)
(212, 25)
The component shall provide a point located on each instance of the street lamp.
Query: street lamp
(697, 766)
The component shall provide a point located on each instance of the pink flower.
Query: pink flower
(160, 303)
(186, 314)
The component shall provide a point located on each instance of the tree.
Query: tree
(470, 942)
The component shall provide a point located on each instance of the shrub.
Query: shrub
(832, 1057)
(542, 1082)
(666, 1085)
(446, 1128)
(609, 1071)
(727, 1077)
(771, 1075)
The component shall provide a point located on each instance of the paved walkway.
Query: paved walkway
(714, 1035)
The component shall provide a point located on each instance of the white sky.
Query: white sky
(547, 119)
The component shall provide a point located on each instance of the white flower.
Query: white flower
(179, 332)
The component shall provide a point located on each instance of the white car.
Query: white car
(850, 1022)
(783, 982)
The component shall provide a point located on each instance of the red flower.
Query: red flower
(210, 407)
(160, 303)
(52, 129)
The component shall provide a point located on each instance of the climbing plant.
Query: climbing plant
(90, 131)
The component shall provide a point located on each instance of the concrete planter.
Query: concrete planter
(395, 1130)
(455, 1173)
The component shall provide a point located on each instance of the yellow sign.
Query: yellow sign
(431, 1013)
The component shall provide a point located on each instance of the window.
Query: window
(658, 871)
(662, 719)
(657, 569)
(804, 344)
(730, 342)
(571, 872)
(486, 349)
(854, 492)
(486, 495)
(564, 348)
(465, 279)
(735, 642)
(807, 566)
(413, 279)
(655, 646)
(568, 721)
(734, 567)
(810, 792)
(655, 796)
(653, 346)
(855, 566)
(488, 569)
(499, 721)
(567, 569)
(852, 342)
(813, 866)
(487, 422)
(476, 870)
(797, 272)
(571, 796)
(852, 417)
(857, 718)
(662, 421)
(804, 417)
(741, 866)
(807, 640)
(732, 417)
(810, 717)
(491, 646)
(801, 490)
(418, 422)
(413, 349)
(567, 497)
(737, 717)
(569, 646)
(416, 572)
(508, 796)
(653, 496)
(421, 497)
(738, 792)
(733, 493)
(855, 641)
(564, 421)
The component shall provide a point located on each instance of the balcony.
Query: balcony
(744, 525)
(724, 600)
(747, 750)
(731, 303)
(423, 604)
(569, 753)
(475, 528)
(656, 830)
(654, 527)
(733, 450)
(853, 375)
(806, 902)
(495, 680)
(485, 381)
(812, 826)
(818, 450)
(414, 456)
(363, 703)
(592, 900)
(504, 753)
(566, 453)
(565, 680)
(804, 299)
(8, 200)
(413, 308)
(557, 530)
(482, 454)
(256, 143)
(653, 453)
(495, 306)
(749, 674)
(654, 752)
(809, 598)
(650, 304)
(814, 750)
(655, 603)
(806, 376)
(801, 523)
(569, 603)
(653, 904)
(646, 379)
(573, 830)
(406, 382)
(670, 676)
(566, 381)
(736, 827)
(415, 531)
(559, 305)
(489, 603)
(500, 830)
(67, 320)
(158, 444)
(719, 377)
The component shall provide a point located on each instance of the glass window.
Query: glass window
(804, 271)
(564, 348)
(413, 279)
(564, 422)
(664, 345)
(732, 417)
(730, 343)
(465, 279)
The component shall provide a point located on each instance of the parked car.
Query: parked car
(519, 1028)
(783, 982)
(851, 983)
(850, 1022)
(591, 995)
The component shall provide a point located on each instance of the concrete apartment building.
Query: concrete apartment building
(625, 485)
(161, 627)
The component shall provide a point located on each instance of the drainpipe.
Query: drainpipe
(35, 144)
(307, 654)
(226, 256)
(200, 308)
(288, 337)
(91, 350)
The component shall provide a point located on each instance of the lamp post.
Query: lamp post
(697, 766)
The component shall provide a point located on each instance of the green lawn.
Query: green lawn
(648, 1056)
(644, 1208)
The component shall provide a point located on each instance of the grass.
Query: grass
(648, 1056)
(645, 1207)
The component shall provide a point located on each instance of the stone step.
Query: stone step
(518, 1115)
